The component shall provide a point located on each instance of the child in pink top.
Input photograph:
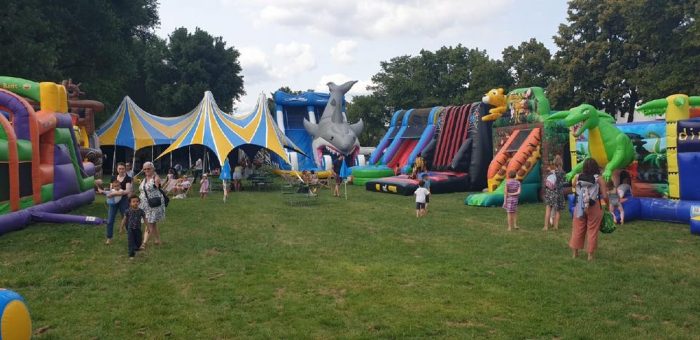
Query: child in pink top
(204, 189)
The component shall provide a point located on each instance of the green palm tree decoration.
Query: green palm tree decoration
(657, 157)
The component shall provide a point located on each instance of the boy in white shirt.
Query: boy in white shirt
(421, 193)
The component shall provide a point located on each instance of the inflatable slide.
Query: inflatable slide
(400, 145)
(41, 173)
(520, 153)
(457, 154)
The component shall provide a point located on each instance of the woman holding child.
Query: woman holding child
(123, 192)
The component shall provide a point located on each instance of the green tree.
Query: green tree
(92, 42)
(529, 64)
(194, 63)
(448, 76)
(375, 116)
(614, 53)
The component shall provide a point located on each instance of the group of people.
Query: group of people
(148, 206)
(593, 195)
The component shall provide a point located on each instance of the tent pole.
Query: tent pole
(151, 153)
(114, 159)
(171, 159)
(189, 154)
(133, 161)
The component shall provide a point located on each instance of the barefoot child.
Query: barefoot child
(511, 192)
(204, 189)
(421, 194)
(615, 203)
(132, 222)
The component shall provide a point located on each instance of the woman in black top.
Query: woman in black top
(125, 190)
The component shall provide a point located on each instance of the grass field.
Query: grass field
(362, 268)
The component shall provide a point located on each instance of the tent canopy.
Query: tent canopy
(222, 132)
(135, 128)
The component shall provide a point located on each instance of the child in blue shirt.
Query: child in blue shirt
(426, 185)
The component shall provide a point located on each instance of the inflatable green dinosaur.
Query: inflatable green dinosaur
(607, 145)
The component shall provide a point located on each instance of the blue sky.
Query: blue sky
(304, 44)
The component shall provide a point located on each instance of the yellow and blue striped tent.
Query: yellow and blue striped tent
(135, 128)
(222, 132)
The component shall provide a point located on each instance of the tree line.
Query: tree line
(111, 49)
(611, 54)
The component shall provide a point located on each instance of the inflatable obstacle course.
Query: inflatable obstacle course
(523, 143)
(41, 172)
(457, 155)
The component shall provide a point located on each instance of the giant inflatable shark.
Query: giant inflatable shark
(333, 135)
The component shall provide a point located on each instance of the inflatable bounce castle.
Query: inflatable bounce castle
(42, 174)
(662, 161)
(521, 143)
(317, 124)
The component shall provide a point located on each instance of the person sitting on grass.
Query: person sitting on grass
(132, 222)
(421, 194)
(183, 184)
(313, 182)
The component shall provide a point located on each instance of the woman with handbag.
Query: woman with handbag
(152, 203)
(588, 212)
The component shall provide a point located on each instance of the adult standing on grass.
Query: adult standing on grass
(554, 194)
(150, 189)
(588, 212)
(197, 170)
(124, 191)
(337, 165)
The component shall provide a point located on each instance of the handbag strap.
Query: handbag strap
(145, 190)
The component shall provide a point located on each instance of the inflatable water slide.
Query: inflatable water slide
(520, 153)
(457, 154)
(41, 173)
(409, 133)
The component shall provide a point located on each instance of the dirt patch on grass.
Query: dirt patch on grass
(337, 294)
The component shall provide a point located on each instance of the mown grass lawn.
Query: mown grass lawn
(362, 268)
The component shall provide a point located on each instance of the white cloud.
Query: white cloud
(294, 58)
(341, 52)
(360, 88)
(381, 18)
(255, 65)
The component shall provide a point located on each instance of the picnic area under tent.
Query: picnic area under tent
(221, 132)
(133, 128)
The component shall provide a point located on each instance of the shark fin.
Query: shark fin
(343, 88)
(311, 128)
(357, 127)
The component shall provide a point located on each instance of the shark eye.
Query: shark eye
(331, 137)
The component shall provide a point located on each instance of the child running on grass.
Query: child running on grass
(421, 194)
(132, 222)
(204, 189)
(511, 193)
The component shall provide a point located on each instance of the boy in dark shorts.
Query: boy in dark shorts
(132, 221)
(421, 194)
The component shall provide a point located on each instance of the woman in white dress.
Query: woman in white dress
(149, 189)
